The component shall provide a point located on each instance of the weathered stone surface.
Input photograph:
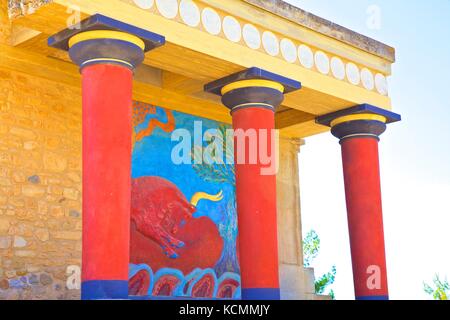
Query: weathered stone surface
(17, 8)
(74, 214)
(55, 189)
(45, 279)
(71, 193)
(4, 284)
(75, 177)
(6, 182)
(34, 179)
(42, 207)
(22, 273)
(326, 27)
(67, 235)
(17, 284)
(54, 162)
(52, 142)
(5, 242)
(18, 177)
(57, 211)
(19, 242)
(25, 253)
(33, 191)
(3, 200)
(4, 226)
(42, 158)
(10, 274)
(30, 145)
(42, 234)
(33, 279)
(22, 133)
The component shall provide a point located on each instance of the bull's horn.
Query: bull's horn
(202, 195)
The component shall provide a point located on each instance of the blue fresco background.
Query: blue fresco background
(152, 157)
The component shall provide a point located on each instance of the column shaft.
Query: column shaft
(253, 96)
(358, 128)
(257, 211)
(107, 98)
(365, 220)
(107, 52)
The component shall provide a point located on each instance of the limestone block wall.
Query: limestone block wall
(292, 278)
(23, 7)
(40, 188)
(296, 282)
(5, 23)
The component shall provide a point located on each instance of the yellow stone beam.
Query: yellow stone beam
(148, 87)
(193, 57)
(197, 54)
(291, 117)
(21, 35)
(34, 64)
(295, 31)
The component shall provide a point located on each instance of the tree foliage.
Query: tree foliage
(215, 167)
(311, 248)
(440, 290)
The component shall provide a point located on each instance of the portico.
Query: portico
(252, 64)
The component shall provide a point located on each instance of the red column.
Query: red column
(107, 98)
(107, 52)
(365, 220)
(359, 129)
(257, 211)
(252, 96)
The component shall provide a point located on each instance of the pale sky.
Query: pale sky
(414, 154)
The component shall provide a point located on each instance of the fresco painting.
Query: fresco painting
(183, 217)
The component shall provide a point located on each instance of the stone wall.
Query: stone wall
(17, 8)
(5, 23)
(40, 188)
(290, 251)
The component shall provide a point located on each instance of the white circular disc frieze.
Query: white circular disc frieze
(189, 12)
(353, 73)
(211, 21)
(288, 50)
(232, 29)
(338, 68)
(306, 56)
(270, 43)
(322, 62)
(381, 84)
(367, 79)
(251, 36)
(144, 4)
(167, 8)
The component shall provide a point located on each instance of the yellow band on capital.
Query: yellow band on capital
(253, 83)
(106, 34)
(355, 117)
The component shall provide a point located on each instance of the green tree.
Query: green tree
(440, 289)
(311, 248)
(325, 281)
(220, 171)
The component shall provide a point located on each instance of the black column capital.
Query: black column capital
(251, 88)
(100, 39)
(360, 121)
